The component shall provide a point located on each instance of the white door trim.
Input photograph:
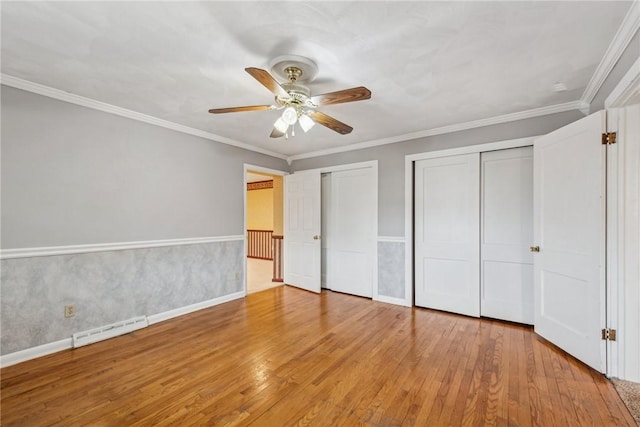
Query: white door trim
(409, 190)
(626, 92)
(373, 164)
(623, 269)
(254, 168)
(350, 166)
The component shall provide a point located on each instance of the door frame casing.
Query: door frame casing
(623, 95)
(253, 168)
(409, 195)
(373, 164)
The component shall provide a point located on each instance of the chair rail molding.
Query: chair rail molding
(105, 247)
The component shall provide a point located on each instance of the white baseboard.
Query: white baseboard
(160, 317)
(35, 352)
(67, 343)
(392, 300)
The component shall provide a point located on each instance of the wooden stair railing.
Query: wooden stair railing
(259, 244)
(277, 259)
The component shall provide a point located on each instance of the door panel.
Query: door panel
(507, 232)
(351, 232)
(302, 224)
(569, 214)
(447, 234)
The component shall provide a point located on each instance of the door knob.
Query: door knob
(534, 248)
(316, 237)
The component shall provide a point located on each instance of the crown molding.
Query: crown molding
(61, 95)
(626, 89)
(505, 118)
(625, 33)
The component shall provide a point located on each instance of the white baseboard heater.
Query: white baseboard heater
(109, 331)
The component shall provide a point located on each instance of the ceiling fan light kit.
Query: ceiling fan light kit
(306, 123)
(295, 98)
(290, 116)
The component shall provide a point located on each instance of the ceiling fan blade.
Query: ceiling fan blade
(330, 122)
(267, 81)
(275, 133)
(240, 109)
(359, 93)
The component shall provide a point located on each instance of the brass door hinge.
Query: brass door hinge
(609, 334)
(608, 138)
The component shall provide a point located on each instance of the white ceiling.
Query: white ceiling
(428, 64)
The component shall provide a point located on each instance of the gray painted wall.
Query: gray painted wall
(107, 287)
(391, 159)
(73, 175)
(391, 269)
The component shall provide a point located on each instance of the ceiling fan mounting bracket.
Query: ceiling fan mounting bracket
(302, 68)
(293, 73)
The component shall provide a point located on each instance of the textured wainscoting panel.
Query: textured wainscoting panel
(391, 269)
(106, 287)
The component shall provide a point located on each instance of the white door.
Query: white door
(506, 280)
(351, 231)
(302, 230)
(447, 227)
(569, 207)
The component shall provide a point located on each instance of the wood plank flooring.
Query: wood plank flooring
(288, 357)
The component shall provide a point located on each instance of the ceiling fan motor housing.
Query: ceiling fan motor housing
(299, 94)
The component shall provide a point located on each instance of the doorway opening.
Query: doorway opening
(264, 230)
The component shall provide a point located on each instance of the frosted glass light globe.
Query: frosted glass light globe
(290, 115)
(306, 122)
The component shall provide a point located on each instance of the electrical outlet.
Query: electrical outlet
(69, 310)
(237, 275)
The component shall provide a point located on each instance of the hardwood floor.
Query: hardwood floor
(288, 357)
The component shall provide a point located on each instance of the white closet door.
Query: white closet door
(447, 228)
(569, 214)
(506, 235)
(302, 230)
(351, 232)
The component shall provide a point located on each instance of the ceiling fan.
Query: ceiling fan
(295, 99)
